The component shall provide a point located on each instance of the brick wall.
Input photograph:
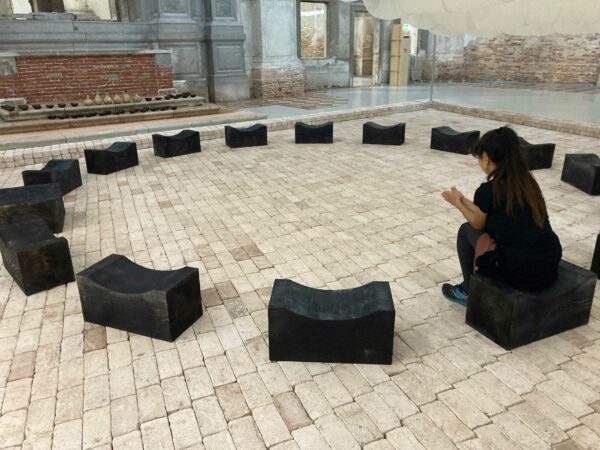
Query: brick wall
(277, 83)
(545, 59)
(448, 66)
(57, 79)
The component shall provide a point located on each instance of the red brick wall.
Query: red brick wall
(57, 79)
(548, 59)
(544, 59)
(276, 83)
(448, 66)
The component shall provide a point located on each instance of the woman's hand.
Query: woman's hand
(453, 196)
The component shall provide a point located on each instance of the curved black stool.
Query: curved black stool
(252, 136)
(118, 293)
(511, 317)
(36, 259)
(383, 135)
(183, 143)
(583, 172)
(42, 200)
(65, 172)
(344, 326)
(119, 156)
(596, 258)
(314, 134)
(537, 156)
(450, 140)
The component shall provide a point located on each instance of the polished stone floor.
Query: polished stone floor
(329, 216)
(573, 103)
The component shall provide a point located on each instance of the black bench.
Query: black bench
(252, 136)
(313, 134)
(65, 172)
(116, 292)
(383, 135)
(596, 258)
(119, 156)
(345, 326)
(36, 259)
(537, 156)
(511, 317)
(183, 143)
(583, 172)
(450, 140)
(42, 200)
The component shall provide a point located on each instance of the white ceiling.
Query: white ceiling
(492, 17)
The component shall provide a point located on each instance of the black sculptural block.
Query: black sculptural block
(252, 136)
(65, 172)
(36, 259)
(383, 135)
(537, 156)
(42, 200)
(450, 140)
(596, 258)
(119, 156)
(344, 326)
(583, 172)
(511, 317)
(116, 292)
(314, 134)
(183, 143)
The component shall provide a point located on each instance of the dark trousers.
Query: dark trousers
(466, 242)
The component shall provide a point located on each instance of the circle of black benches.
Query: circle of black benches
(65, 172)
(449, 140)
(251, 136)
(116, 292)
(119, 156)
(583, 172)
(182, 143)
(382, 134)
(36, 259)
(42, 200)
(313, 134)
(344, 326)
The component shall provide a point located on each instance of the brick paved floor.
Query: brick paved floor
(329, 216)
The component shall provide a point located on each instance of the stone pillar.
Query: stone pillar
(385, 39)
(226, 77)
(6, 8)
(176, 30)
(275, 69)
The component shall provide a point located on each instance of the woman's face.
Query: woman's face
(485, 163)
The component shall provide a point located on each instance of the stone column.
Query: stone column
(176, 30)
(275, 69)
(385, 39)
(227, 79)
(6, 8)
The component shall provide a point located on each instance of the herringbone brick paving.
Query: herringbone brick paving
(329, 216)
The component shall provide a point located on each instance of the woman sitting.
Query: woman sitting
(508, 234)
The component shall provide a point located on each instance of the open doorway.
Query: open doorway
(363, 52)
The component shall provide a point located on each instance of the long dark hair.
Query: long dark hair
(511, 180)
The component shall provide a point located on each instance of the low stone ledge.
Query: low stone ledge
(563, 126)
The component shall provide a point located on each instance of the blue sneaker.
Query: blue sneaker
(455, 293)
